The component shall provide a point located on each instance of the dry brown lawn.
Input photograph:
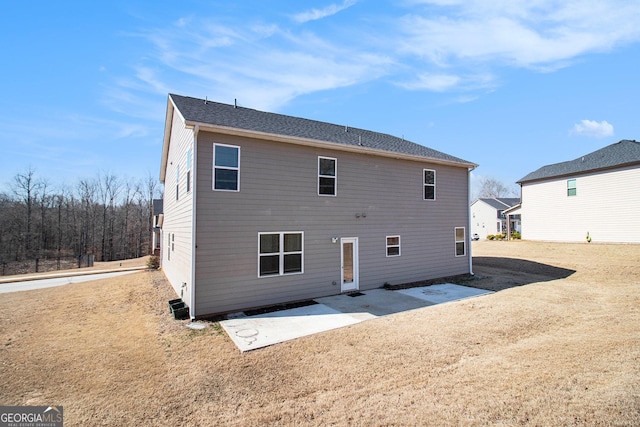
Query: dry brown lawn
(563, 349)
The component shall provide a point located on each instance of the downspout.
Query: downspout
(194, 192)
(469, 219)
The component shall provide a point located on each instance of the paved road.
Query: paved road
(57, 281)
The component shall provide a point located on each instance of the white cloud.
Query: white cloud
(263, 66)
(535, 34)
(593, 129)
(315, 14)
(445, 46)
(433, 82)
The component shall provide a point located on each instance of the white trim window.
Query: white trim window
(429, 184)
(226, 167)
(177, 182)
(572, 189)
(280, 253)
(327, 176)
(461, 241)
(189, 155)
(393, 246)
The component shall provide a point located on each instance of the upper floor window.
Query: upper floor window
(571, 187)
(393, 246)
(226, 167)
(327, 176)
(461, 242)
(429, 184)
(188, 170)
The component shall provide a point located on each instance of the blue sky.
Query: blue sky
(511, 85)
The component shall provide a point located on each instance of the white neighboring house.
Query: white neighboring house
(597, 195)
(487, 216)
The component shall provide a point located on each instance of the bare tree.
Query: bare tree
(108, 188)
(106, 216)
(25, 188)
(492, 187)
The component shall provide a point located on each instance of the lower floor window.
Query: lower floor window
(460, 242)
(280, 253)
(393, 246)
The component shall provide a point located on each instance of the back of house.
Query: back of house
(263, 209)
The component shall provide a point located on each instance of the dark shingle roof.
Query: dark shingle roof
(621, 153)
(501, 203)
(218, 114)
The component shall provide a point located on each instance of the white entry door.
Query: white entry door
(349, 259)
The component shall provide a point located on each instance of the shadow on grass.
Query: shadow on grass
(496, 273)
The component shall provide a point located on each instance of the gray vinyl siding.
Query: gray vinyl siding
(606, 206)
(178, 213)
(278, 192)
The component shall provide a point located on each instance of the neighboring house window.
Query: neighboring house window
(177, 181)
(393, 246)
(460, 242)
(168, 247)
(429, 184)
(188, 170)
(280, 253)
(226, 167)
(327, 178)
(571, 187)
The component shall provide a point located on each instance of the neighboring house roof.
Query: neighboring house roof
(500, 203)
(227, 118)
(622, 153)
(512, 209)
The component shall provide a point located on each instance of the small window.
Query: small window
(429, 184)
(177, 182)
(280, 253)
(327, 176)
(571, 187)
(226, 167)
(393, 246)
(460, 242)
(189, 170)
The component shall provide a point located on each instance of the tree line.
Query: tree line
(107, 217)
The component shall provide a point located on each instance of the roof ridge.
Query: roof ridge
(230, 116)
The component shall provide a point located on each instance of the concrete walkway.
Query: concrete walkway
(252, 332)
(27, 283)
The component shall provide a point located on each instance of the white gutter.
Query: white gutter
(194, 184)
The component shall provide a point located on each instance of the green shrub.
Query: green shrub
(516, 235)
(490, 237)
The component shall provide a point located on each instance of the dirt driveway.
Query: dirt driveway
(558, 345)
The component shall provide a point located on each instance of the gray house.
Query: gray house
(595, 195)
(262, 209)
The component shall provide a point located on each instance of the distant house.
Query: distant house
(595, 195)
(158, 217)
(262, 208)
(487, 216)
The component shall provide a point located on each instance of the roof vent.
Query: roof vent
(359, 139)
(583, 158)
(235, 102)
(205, 99)
(346, 128)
